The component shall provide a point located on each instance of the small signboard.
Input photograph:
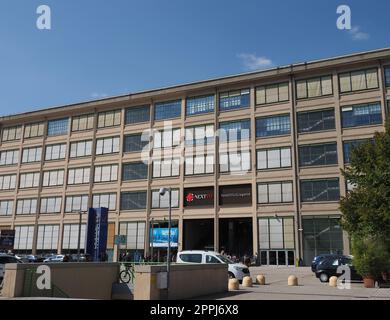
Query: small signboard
(97, 228)
(7, 239)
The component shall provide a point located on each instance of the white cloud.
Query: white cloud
(359, 35)
(98, 95)
(252, 62)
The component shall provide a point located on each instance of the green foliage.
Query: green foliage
(366, 209)
(371, 256)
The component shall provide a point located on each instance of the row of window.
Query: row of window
(236, 99)
(311, 121)
(238, 161)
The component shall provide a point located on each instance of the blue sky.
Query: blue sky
(99, 48)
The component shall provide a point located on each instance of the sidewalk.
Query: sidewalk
(310, 288)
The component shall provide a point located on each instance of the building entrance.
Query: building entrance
(236, 237)
(198, 234)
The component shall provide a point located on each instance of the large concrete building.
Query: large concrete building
(277, 196)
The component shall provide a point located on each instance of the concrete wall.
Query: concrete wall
(76, 280)
(186, 281)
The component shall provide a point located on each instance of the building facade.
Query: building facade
(253, 162)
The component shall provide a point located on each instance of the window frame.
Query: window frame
(58, 133)
(166, 105)
(349, 73)
(267, 150)
(137, 108)
(257, 119)
(104, 114)
(301, 181)
(331, 143)
(52, 146)
(89, 117)
(320, 78)
(267, 86)
(230, 97)
(268, 184)
(195, 98)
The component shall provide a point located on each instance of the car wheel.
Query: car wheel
(231, 275)
(324, 277)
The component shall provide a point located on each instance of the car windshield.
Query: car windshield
(224, 259)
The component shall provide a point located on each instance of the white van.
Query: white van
(236, 270)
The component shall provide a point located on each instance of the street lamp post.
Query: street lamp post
(163, 192)
(79, 236)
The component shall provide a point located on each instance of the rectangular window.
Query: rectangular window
(138, 114)
(387, 76)
(358, 80)
(199, 135)
(313, 121)
(34, 130)
(272, 93)
(11, 133)
(236, 99)
(273, 126)
(199, 163)
(79, 175)
(134, 142)
(29, 180)
(51, 205)
(318, 155)
(167, 110)
(133, 200)
(315, 87)
(55, 152)
(107, 145)
(320, 190)
(276, 233)
(81, 149)
(106, 173)
(236, 161)
(106, 200)
(6, 207)
(348, 146)
(162, 202)
(32, 154)
(234, 131)
(361, 115)
(9, 157)
(199, 105)
(274, 158)
(76, 203)
(274, 192)
(47, 238)
(166, 167)
(135, 171)
(24, 237)
(135, 235)
(83, 123)
(8, 182)
(57, 127)
(166, 138)
(109, 119)
(71, 237)
(53, 178)
(26, 206)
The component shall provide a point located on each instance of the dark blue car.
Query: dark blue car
(321, 257)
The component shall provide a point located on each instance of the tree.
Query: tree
(366, 209)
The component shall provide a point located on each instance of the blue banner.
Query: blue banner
(7, 239)
(159, 237)
(97, 228)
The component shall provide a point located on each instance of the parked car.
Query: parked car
(30, 258)
(235, 270)
(328, 268)
(55, 258)
(5, 258)
(319, 258)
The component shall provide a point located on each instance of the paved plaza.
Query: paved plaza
(309, 288)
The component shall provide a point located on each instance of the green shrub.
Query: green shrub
(371, 256)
